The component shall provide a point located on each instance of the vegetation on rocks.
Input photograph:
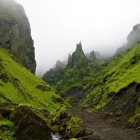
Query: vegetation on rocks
(15, 33)
(30, 108)
(117, 88)
(68, 125)
(31, 123)
(25, 97)
(78, 73)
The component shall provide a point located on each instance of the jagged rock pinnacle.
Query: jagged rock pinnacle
(92, 55)
(78, 57)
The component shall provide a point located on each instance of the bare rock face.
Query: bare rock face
(134, 36)
(15, 33)
(132, 39)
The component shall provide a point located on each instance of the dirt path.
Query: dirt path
(102, 129)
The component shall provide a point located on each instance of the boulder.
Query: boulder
(29, 124)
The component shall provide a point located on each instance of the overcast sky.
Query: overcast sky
(57, 25)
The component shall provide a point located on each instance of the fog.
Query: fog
(58, 25)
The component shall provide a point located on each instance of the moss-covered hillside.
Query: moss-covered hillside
(116, 90)
(20, 86)
(25, 101)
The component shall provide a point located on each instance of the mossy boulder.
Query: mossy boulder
(75, 127)
(29, 124)
(65, 123)
(56, 128)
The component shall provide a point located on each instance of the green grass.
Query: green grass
(8, 134)
(5, 122)
(20, 86)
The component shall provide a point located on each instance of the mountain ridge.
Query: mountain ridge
(78, 72)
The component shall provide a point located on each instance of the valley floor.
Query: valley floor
(103, 128)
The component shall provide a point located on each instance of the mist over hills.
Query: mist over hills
(132, 39)
(86, 97)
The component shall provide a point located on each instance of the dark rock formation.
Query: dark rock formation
(134, 36)
(92, 55)
(15, 33)
(29, 125)
(60, 65)
(69, 59)
(125, 102)
(70, 80)
(78, 57)
(55, 73)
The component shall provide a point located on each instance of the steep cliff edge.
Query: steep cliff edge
(15, 33)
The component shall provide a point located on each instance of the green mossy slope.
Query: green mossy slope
(123, 71)
(20, 86)
(78, 77)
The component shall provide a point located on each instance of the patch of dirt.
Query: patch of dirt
(103, 128)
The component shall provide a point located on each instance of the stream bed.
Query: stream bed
(56, 136)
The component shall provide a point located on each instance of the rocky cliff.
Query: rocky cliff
(15, 33)
(78, 57)
(132, 39)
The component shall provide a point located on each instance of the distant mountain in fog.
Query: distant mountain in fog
(133, 38)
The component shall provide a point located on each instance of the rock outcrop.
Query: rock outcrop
(92, 55)
(80, 70)
(132, 39)
(78, 57)
(134, 36)
(29, 125)
(55, 73)
(15, 33)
